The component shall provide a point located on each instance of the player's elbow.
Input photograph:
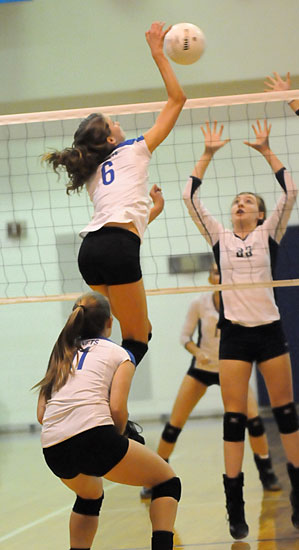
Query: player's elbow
(184, 340)
(186, 197)
(182, 98)
(40, 416)
(179, 98)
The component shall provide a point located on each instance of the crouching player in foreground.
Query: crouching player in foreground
(82, 407)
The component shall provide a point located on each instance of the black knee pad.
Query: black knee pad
(136, 349)
(234, 424)
(170, 433)
(170, 488)
(286, 418)
(149, 336)
(88, 507)
(255, 426)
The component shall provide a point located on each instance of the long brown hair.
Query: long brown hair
(87, 320)
(89, 149)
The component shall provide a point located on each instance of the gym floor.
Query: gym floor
(36, 506)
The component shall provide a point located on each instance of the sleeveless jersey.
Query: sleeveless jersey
(118, 189)
(203, 314)
(249, 260)
(83, 402)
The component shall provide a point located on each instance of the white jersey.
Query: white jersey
(83, 402)
(248, 260)
(118, 189)
(202, 314)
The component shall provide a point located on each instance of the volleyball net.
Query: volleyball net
(40, 223)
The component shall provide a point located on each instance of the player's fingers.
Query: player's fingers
(167, 30)
(266, 127)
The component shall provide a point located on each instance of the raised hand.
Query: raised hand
(212, 136)
(156, 196)
(155, 36)
(262, 133)
(158, 202)
(277, 84)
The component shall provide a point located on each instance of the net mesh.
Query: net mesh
(40, 223)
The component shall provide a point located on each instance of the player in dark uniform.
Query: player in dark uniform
(276, 84)
(82, 407)
(203, 315)
(249, 318)
(115, 173)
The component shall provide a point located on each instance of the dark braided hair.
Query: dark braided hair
(89, 149)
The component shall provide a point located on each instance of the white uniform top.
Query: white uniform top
(245, 260)
(118, 189)
(203, 314)
(83, 402)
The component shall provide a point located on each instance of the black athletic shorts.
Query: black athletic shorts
(110, 256)
(252, 343)
(206, 377)
(93, 452)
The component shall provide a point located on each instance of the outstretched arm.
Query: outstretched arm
(276, 223)
(262, 145)
(176, 97)
(277, 84)
(158, 202)
(213, 142)
(206, 223)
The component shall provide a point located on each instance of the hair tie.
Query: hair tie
(80, 305)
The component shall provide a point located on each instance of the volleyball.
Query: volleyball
(185, 43)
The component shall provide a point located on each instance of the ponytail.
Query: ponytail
(87, 320)
(89, 149)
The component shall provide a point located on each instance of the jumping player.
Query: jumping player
(203, 315)
(115, 173)
(82, 407)
(249, 319)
